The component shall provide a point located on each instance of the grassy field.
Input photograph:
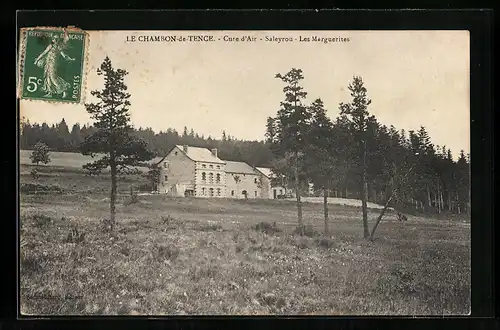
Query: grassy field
(69, 160)
(206, 256)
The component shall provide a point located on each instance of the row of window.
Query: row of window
(210, 177)
(244, 193)
(210, 191)
(210, 166)
(165, 165)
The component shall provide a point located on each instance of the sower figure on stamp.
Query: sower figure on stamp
(48, 60)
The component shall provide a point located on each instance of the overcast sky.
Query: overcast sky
(414, 78)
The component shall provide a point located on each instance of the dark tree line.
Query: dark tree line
(354, 155)
(58, 137)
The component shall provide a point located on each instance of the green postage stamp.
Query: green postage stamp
(52, 64)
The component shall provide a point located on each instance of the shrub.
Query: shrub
(273, 301)
(34, 174)
(167, 220)
(302, 242)
(41, 220)
(75, 236)
(30, 265)
(165, 251)
(266, 227)
(125, 250)
(211, 227)
(133, 198)
(34, 188)
(305, 230)
(106, 225)
(325, 242)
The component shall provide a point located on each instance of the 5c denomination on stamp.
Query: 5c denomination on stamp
(52, 62)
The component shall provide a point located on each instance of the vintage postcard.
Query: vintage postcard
(244, 172)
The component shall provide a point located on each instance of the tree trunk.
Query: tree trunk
(429, 196)
(468, 201)
(325, 207)
(437, 198)
(297, 190)
(441, 199)
(112, 197)
(364, 195)
(379, 218)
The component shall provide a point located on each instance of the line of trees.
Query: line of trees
(59, 137)
(356, 151)
(351, 156)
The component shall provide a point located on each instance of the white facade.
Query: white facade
(198, 172)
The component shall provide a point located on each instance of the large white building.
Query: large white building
(194, 171)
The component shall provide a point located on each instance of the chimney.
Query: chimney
(214, 152)
(185, 148)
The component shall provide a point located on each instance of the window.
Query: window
(166, 177)
(203, 191)
(176, 153)
(217, 178)
(218, 167)
(165, 165)
(203, 165)
(232, 192)
(203, 176)
(281, 191)
(255, 180)
(211, 166)
(211, 177)
(211, 192)
(218, 191)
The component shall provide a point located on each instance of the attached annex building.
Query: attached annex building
(194, 171)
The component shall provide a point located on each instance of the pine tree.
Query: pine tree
(357, 112)
(292, 122)
(322, 155)
(63, 134)
(270, 130)
(113, 138)
(76, 136)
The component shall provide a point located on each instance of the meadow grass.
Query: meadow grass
(219, 256)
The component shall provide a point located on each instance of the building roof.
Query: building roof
(155, 160)
(239, 167)
(266, 171)
(198, 154)
(201, 155)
